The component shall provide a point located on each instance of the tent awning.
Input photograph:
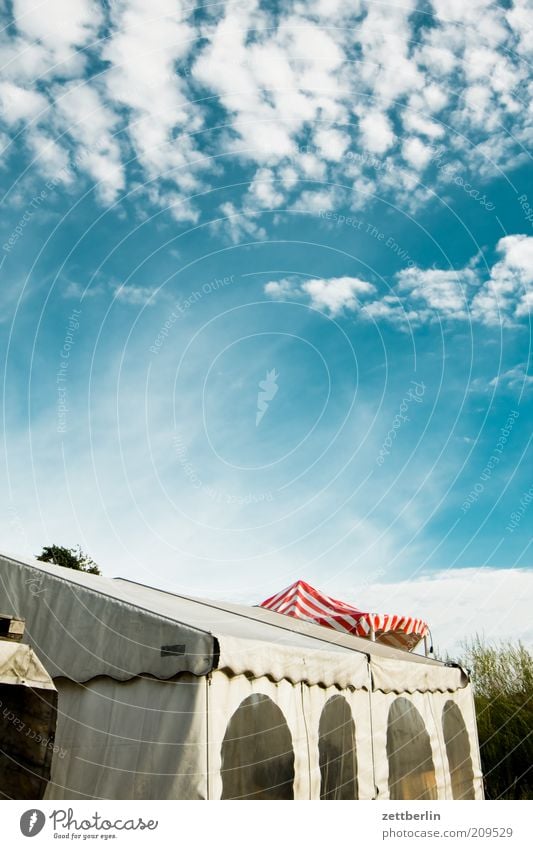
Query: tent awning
(303, 601)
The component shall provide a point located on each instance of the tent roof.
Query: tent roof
(85, 625)
(302, 601)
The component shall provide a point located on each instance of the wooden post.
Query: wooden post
(11, 627)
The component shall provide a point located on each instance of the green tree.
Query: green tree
(71, 558)
(502, 678)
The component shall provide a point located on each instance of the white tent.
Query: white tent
(167, 697)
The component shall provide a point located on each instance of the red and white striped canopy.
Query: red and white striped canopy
(304, 602)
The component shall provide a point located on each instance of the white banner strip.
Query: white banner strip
(255, 825)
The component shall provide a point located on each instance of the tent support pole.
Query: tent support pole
(426, 647)
(372, 634)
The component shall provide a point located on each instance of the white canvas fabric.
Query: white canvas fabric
(400, 676)
(315, 702)
(81, 629)
(294, 663)
(430, 708)
(19, 665)
(139, 739)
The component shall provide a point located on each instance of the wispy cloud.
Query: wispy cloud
(517, 377)
(136, 295)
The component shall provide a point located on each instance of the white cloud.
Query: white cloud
(135, 295)
(317, 201)
(445, 292)
(279, 82)
(20, 104)
(436, 57)
(525, 306)
(391, 308)
(92, 126)
(416, 123)
(332, 144)
(73, 289)
(60, 26)
(507, 295)
(388, 69)
(281, 289)
(337, 293)
(145, 44)
(514, 378)
(333, 296)
(459, 603)
(239, 224)
(312, 166)
(289, 177)
(519, 19)
(51, 156)
(434, 294)
(263, 191)
(434, 97)
(416, 153)
(24, 61)
(177, 204)
(377, 133)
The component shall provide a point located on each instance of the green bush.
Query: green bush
(71, 558)
(502, 677)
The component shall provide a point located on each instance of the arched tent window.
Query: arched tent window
(257, 753)
(411, 769)
(458, 752)
(336, 751)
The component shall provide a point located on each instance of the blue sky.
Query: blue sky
(318, 212)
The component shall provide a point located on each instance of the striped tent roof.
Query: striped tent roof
(302, 601)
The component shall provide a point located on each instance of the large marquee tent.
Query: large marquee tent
(161, 696)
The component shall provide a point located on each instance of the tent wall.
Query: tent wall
(278, 740)
(28, 701)
(401, 729)
(260, 745)
(138, 739)
(232, 736)
(332, 754)
(309, 753)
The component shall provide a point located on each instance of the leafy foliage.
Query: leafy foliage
(502, 677)
(71, 558)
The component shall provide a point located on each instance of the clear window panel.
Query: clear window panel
(257, 752)
(458, 752)
(337, 751)
(411, 768)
